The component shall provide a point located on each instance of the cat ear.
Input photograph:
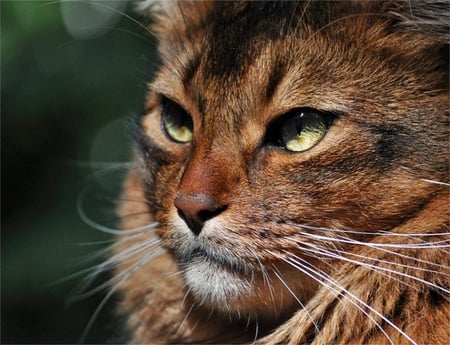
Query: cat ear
(173, 17)
(149, 8)
(430, 17)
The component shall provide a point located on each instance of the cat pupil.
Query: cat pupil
(293, 128)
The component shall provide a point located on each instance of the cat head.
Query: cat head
(273, 128)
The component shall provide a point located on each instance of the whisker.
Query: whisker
(132, 33)
(278, 275)
(426, 245)
(380, 269)
(389, 262)
(113, 243)
(436, 182)
(95, 314)
(412, 258)
(333, 281)
(118, 277)
(112, 291)
(112, 9)
(101, 165)
(416, 268)
(144, 201)
(106, 229)
(93, 256)
(111, 263)
(123, 216)
(326, 277)
(96, 243)
(186, 317)
(355, 242)
(311, 272)
(256, 332)
(372, 233)
(117, 258)
(336, 21)
(266, 279)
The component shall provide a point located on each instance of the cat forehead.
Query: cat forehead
(207, 47)
(226, 36)
(175, 21)
(222, 43)
(228, 30)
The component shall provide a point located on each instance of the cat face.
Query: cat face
(268, 137)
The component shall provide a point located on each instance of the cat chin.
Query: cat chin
(214, 286)
(230, 293)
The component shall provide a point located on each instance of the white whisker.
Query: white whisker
(319, 248)
(111, 263)
(426, 245)
(266, 278)
(323, 252)
(104, 251)
(353, 299)
(371, 233)
(355, 242)
(416, 268)
(256, 332)
(118, 277)
(436, 182)
(105, 229)
(101, 165)
(412, 258)
(380, 268)
(278, 275)
(312, 272)
(121, 278)
(186, 317)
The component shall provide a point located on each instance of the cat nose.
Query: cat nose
(196, 209)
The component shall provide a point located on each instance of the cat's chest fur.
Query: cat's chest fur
(292, 163)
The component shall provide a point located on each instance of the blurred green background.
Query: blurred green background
(72, 76)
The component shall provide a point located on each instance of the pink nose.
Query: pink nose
(196, 209)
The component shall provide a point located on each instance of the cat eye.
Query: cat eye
(300, 129)
(177, 123)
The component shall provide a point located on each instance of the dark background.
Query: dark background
(72, 76)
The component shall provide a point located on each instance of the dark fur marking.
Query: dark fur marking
(435, 297)
(275, 78)
(391, 145)
(399, 307)
(237, 29)
(190, 71)
(314, 170)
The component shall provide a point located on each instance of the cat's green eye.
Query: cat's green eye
(176, 122)
(301, 129)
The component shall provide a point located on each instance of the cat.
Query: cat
(290, 177)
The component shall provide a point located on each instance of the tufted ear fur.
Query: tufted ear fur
(169, 17)
(154, 8)
(424, 26)
(430, 17)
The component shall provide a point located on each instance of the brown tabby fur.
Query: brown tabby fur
(367, 207)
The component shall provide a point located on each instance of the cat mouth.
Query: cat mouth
(203, 255)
